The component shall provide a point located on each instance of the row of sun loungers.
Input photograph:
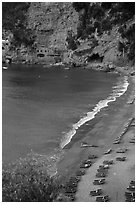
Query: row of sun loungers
(130, 195)
(71, 185)
(118, 139)
(99, 198)
(102, 172)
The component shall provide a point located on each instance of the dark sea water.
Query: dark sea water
(42, 108)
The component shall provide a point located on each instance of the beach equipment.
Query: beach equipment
(96, 192)
(101, 174)
(108, 162)
(99, 182)
(92, 156)
(121, 150)
(105, 198)
(131, 188)
(121, 158)
(108, 151)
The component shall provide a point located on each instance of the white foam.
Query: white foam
(118, 91)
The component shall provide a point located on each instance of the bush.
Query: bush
(72, 45)
(27, 181)
(14, 19)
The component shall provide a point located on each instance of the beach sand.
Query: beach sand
(102, 131)
(119, 175)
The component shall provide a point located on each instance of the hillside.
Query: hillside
(72, 33)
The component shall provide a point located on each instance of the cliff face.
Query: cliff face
(51, 23)
(70, 33)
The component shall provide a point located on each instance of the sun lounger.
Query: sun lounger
(108, 162)
(132, 182)
(88, 145)
(102, 170)
(132, 141)
(87, 161)
(85, 165)
(80, 173)
(130, 200)
(121, 158)
(104, 166)
(85, 145)
(99, 182)
(92, 156)
(96, 192)
(116, 142)
(105, 198)
(122, 150)
(74, 179)
(130, 194)
(133, 123)
(101, 174)
(108, 151)
(131, 188)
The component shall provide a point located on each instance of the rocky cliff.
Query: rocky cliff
(72, 33)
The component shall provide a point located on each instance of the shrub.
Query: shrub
(27, 181)
(14, 19)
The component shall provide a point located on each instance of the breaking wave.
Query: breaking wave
(118, 90)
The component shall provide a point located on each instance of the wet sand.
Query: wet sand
(102, 131)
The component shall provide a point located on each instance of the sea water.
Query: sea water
(42, 108)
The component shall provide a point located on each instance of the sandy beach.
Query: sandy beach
(115, 120)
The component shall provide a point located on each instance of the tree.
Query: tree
(14, 19)
(106, 15)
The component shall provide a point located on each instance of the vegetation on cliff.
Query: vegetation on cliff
(14, 19)
(97, 20)
(104, 29)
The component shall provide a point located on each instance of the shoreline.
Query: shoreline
(103, 124)
(117, 91)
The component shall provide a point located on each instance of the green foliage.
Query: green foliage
(96, 12)
(72, 45)
(81, 5)
(106, 25)
(103, 17)
(14, 19)
(26, 181)
(128, 33)
(122, 11)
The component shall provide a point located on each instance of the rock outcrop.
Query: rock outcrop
(51, 23)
